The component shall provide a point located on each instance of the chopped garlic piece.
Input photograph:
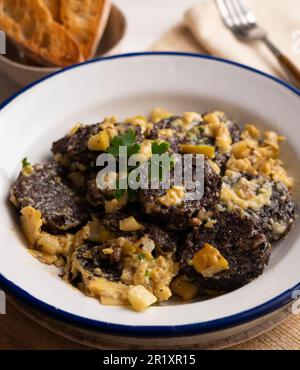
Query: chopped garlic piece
(109, 292)
(31, 223)
(146, 244)
(49, 244)
(140, 298)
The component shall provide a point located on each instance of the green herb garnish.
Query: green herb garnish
(160, 148)
(25, 163)
(128, 139)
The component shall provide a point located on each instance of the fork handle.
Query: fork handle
(291, 67)
(285, 61)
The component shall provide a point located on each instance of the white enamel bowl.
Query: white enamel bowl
(126, 85)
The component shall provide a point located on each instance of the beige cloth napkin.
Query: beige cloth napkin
(203, 30)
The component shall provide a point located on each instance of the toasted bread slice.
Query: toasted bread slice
(86, 21)
(54, 7)
(30, 24)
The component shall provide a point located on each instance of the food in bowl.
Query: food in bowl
(53, 32)
(139, 247)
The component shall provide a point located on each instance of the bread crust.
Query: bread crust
(54, 7)
(30, 24)
(86, 21)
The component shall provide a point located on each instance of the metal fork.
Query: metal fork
(243, 24)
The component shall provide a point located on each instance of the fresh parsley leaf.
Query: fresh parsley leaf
(133, 149)
(113, 150)
(160, 148)
(25, 163)
(127, 139)
(172, 163)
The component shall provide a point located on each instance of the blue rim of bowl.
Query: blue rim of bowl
(154, 331)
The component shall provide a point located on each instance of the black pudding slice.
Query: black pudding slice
(47, 190)
(277, 212)
(169, 130)
(181, 214)
(72, 150)
(277, 219)
(95, 195)
(246, 250)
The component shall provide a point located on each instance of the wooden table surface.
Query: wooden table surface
(17, 331)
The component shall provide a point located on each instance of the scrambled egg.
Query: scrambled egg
(216, 127)
(246, 194)
(147, 278)
(209, 261)
(259, 154)
(172, 197)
